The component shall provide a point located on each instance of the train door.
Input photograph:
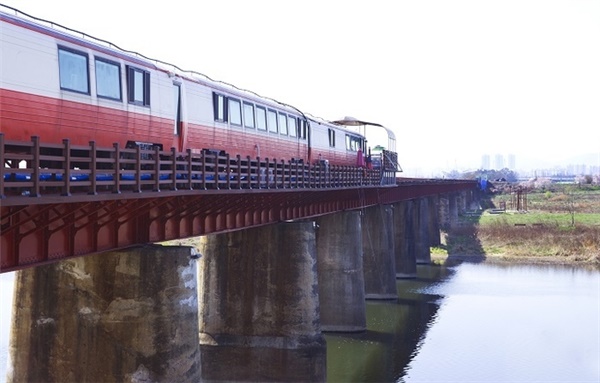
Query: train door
(177, 122)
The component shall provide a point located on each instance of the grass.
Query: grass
(560, 225)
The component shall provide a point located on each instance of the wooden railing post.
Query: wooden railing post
(173, 169)
(258, 173)
(249, 172)
(189, 169)
(203, 161)
(282, 174)
(2, 165)
(228, 171)
(117, 169)
(156, 169)
(239, 171)
(138, 169)
(66, 168)
(93, 167)
(35, 164)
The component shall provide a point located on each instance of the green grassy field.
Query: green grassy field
(562, 224)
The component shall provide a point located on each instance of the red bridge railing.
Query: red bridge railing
(37, 169)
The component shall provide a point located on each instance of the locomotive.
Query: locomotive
(58, 83)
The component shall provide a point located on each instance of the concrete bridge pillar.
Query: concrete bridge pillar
(404, 239)
(422, 241)
(123, 316)
(462, 201)
(434, 220)
(378, 253)
(453, 207)
(444, 211)
(340, 272)
(259, 305)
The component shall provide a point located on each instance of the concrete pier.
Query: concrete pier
(422, 241)
(259, 305)
(453, 208)
(126, 316)
(404, 239)
(379, 262)
(434, 220)
(340, 272)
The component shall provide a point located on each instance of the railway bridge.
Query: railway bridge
(288, 250)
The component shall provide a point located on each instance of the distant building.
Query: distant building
(499, 162)
(512, 162)
(485, 161)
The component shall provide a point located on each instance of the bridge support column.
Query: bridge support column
(379, 262)
(340, 272)
(453, 207)
(259, 305)
(113, 317)
(444, 212)
(434, 220)
(404, 239)
(423, 252)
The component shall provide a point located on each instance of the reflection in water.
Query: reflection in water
(478, 323)
(395, 328)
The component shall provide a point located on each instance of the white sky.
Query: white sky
(453, 79)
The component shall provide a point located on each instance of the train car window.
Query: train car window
(302, 129)
(177, 116)
(235, 111)
(108, 79)
(283, 124)
(292, 126)
(249, 115)
(261, 118)
(272, 121)
(353, 143)
(220, 107)
(73, 70)
(138, 86)
(332, 138)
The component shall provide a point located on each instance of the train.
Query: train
(59, 83)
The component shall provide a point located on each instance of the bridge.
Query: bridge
(77, 222)
(61, 201)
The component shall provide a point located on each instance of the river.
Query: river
(467, 323)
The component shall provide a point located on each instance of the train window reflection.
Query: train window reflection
(353, 143)
(73, 70)
(292, 126)
(108, 79)
(261, 118)
(138, 86)
(235, 111)
(219, 107)
(248, 115)
(283, 124)
(272, 121)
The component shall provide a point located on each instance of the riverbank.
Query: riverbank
(557, 226)
(445, 259)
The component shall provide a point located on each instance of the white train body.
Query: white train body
(59, 85)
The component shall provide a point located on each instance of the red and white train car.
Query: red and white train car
(57, 84)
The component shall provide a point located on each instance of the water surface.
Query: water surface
(479, 323)
(468, 323)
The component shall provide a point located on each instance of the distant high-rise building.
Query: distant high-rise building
(512, 162)
(485, 161)
(499, 162)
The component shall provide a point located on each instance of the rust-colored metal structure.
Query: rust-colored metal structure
(60, 201)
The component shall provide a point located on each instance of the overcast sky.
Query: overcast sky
(453, 79)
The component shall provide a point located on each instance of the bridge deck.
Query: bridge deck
(59, 201)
